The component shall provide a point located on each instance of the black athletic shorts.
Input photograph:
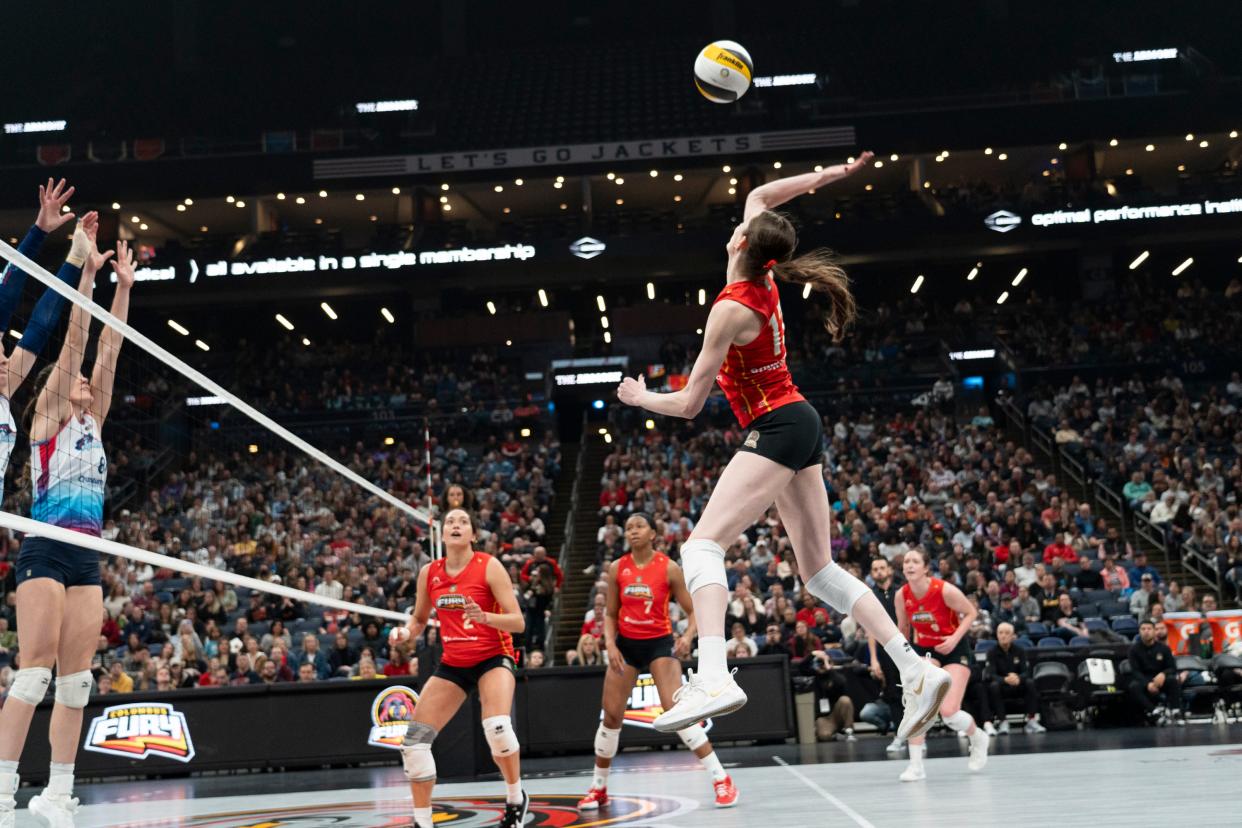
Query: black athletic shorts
(792, 435)
(63, 562)
(640, 652)
(467, 678)
(961, 654)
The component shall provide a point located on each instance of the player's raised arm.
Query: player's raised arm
(723, 324)
(775, 193)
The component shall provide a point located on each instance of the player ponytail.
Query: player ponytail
(770, 243)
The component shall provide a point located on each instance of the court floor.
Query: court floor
(1187, 776)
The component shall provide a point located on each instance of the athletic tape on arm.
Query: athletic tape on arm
(70, 293)
(18, 523)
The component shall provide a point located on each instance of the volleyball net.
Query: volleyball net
(196, 481)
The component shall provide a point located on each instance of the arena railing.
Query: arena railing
(1202, 565)
(567, 545)
(1145, 530)
(1108, 500)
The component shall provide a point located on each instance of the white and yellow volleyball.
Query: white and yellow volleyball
(723, 71)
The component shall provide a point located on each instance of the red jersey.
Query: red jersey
(644, 597)
(754, 377)
(465, 643)
(932, 619)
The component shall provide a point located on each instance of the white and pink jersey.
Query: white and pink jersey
(70, 472)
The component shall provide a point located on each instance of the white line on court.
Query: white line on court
(858, 818)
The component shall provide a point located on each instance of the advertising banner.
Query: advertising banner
(1181, 626)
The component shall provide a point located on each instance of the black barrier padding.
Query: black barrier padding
(261, 726)
(558, 708)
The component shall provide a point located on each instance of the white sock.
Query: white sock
(903, 655)
(513, 793)
(714, 767)
(713, 663)
(422, 817)
(59, 781)
(916, 755)
(9, 782)
(600, 779)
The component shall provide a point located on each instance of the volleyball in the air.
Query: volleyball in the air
(722, 71)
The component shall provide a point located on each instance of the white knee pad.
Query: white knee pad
(694, 736)
(498, 730)
(74, 690)
(606, 741)
(416, 759)
(703, 563)
(960, 721)
(30, 684)
(836, 586)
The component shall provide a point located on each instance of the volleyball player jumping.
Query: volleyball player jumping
(16, 366)
(940, 616)
(478, 612)
(640, 639)
(59, 597)
(780, 459)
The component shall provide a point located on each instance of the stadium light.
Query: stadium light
(396, 191)
(202, 345)
(1181, 268)
(603, 322)
(543, 297)
(178, 327)
(491, 307)
(525, 432)
(650, 424)
(974, 271)
(387, 314)
(280, 196)
(306, 342)
(280, 317)
(702, 296)
(806, 291)
(598, 405)
(918, 283)
(1139, 259)
(651, 290)
(15, 334)
(254, 449)
(599, 300)
(328, 310)
(1150, 147)
(607, 338)
(1000, 300)
(388, 441)
(116, 205)
(1062, 146)
(987, 151)
(1017, 280)
(1113, 142)
(608, 439)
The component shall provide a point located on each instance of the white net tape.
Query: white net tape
(17, 523)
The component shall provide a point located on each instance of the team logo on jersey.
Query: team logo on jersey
(451, 601)
(84, 442)
(391, 714)
(923, 617)
(644, 705)
(139, 731)
(752, 440)
(550, 811)
(639, 590)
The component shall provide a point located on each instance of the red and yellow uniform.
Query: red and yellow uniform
(932, 619)
(755, 377)
(644, 598)
(465, 643)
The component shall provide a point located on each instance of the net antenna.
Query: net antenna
(433, 525)
(32, 268)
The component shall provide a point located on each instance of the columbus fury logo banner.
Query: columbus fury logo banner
(138, 731)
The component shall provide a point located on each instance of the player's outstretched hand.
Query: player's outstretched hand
(631, 390)
(52, 201)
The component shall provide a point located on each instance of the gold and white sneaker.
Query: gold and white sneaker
(696, 700)
(921, 699)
